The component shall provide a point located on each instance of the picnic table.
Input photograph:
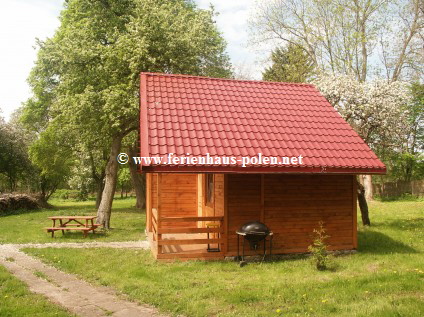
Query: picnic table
(81, 223)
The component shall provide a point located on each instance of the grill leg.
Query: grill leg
(238, 247)
(242, 257)
(270, 248)
(242, 262)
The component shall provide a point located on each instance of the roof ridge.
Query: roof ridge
(229, 79)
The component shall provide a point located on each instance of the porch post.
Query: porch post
(149, 202)
(354, 210)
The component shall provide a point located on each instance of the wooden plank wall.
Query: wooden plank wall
(292, 206)
(148, 202)
(219, 194)
(154, 193)
(244, 204)
(200, 196)
(178, 198)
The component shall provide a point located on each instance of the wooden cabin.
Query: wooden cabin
(195, 206)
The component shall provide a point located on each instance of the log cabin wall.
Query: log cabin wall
(154, 189)
(292, 206)
(200, 196)
(243, 204)
(219, 195)
(151, 198)
(178, 198)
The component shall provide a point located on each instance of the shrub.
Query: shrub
(319, 248)
(70, 194)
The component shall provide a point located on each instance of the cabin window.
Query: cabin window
(209, 190)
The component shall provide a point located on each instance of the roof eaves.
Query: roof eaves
(144, 134)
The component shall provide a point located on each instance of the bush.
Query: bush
(70, 194)
(319, 248)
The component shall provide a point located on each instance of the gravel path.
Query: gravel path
(117, 245)
(78, 296)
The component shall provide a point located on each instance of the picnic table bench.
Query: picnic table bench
(81, 223)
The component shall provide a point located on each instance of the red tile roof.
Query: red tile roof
(235, 118)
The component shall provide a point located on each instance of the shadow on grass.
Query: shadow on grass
(379, 243)
(92, 209)
(23, 211)
(79, 236)
(405, 224)
(72, 210)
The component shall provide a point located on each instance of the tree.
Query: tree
(124, 180)
(408, 162)
(15, 166)
(401, 41)
(363, 38)
(289, 64)
(415, 134)
(54, 160)
(138, 180)
(87, 74)
(243, 71)
(359, 37)
(377, 111)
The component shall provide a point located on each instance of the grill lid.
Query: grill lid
(254, 232)
(254, 228)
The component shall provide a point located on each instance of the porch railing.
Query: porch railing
(214, 232)
(155, 224)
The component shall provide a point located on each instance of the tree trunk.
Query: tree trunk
(138, 180)
(367, 182)
(105, 207)
(363, 206)
(100, 187)
(98, 178)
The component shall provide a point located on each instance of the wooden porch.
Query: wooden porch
(187, 243)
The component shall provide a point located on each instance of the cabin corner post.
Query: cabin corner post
(148, 202)
(355, 212)
(159, 221)
(225, 224)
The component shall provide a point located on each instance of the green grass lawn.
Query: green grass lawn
(385, 278)
(17, 300)
(127, 223)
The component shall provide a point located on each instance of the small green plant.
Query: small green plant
(319, 248)
(41, 275)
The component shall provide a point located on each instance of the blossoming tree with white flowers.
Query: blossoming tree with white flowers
(377, 110)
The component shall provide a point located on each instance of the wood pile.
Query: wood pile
(12, 202)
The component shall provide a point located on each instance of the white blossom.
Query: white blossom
(377, 110)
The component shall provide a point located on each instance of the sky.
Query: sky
(22, 21)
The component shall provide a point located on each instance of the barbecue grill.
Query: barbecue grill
(254, 232)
